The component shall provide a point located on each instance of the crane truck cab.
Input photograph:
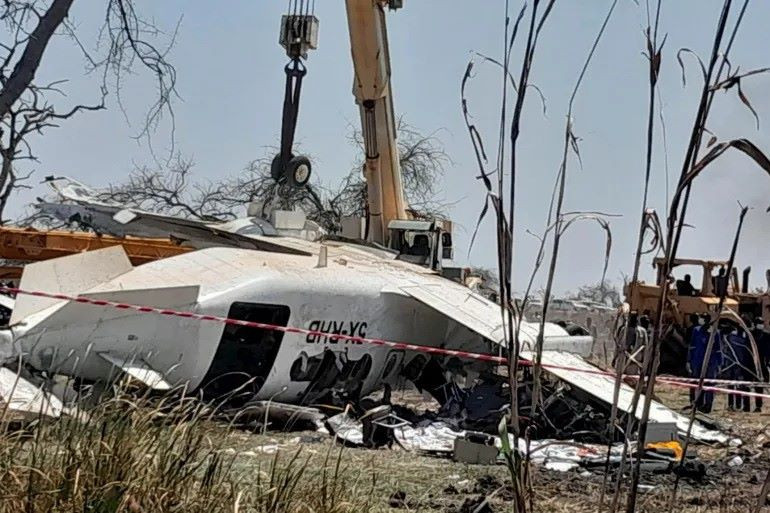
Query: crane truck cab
(427, 243)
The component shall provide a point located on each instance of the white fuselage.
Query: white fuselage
(355, 293)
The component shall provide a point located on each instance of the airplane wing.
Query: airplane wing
(469, 309)
(485, 318)
(137, 369)
(120, 222)
(579, 373)
(562, 353)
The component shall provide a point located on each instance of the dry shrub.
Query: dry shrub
(135, 455)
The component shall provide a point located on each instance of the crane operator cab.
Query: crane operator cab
(426, 243)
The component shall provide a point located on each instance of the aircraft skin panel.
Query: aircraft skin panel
(25, 398)
(71, 274)
(138, 369)
(602, 387)
(66, 338)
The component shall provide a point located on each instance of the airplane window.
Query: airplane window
(390, 365)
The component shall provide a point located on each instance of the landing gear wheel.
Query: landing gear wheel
(276, 170)
(298, 171)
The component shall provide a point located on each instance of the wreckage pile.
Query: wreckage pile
(569, 430)
(264, 370)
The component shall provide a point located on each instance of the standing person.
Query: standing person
(761, 333)
(685, 287)
(688, 334)
(591, 328)
(696, 356)
(720, 282)
(626, 340)
(739, 362)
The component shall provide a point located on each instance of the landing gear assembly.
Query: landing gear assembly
(296, 172)
(299, 34)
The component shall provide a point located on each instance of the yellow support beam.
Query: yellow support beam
(28, 244)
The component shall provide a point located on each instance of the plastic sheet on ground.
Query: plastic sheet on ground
(436, 437)
(430, 437)
(563, 455)
(346, 428)
(433, 437)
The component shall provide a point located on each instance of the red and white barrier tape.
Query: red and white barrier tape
(251, 324)
(681, 382)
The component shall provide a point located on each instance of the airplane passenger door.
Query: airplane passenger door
(245, 355)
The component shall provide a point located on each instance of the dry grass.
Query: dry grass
(133, 456)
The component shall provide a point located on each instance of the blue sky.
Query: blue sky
(230, 80)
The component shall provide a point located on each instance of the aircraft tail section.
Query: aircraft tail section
(72, 274)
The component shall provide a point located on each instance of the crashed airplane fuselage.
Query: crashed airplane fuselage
(341, 289)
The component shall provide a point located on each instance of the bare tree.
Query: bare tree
(602, 292)
(422, 158)
(26, 107)
(171, 191)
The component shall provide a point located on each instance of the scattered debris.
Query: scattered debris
(276, 416)
(22, 400)
(576, 371)
(475, 448)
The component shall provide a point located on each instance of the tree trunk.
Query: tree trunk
(25, 69)
(5, 175)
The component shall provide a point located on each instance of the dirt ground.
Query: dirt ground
(404, 481)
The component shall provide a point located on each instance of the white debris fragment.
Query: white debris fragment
(264, 449)
(346, 428)
(560, 466)
(24, 398)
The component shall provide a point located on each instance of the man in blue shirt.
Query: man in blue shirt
(738, 364)
(696, 356)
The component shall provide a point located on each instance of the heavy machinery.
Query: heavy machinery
(387, 222)
(686, 300)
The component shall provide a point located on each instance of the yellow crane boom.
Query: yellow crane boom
(372, 90)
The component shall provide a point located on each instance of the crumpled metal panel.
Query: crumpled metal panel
(601, 386)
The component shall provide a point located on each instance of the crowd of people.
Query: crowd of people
(732, 358)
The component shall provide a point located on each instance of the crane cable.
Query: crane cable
(301, 7)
